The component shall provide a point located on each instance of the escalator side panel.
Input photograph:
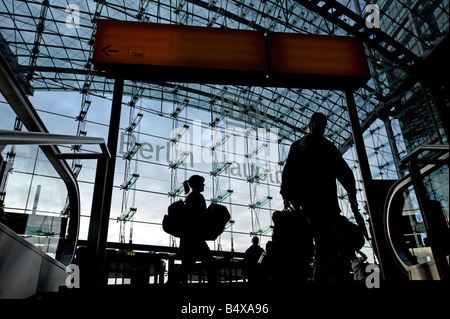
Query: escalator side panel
(389, 267)
(25, 270)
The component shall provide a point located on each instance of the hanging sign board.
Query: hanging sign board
(163, 52)
(316, 58)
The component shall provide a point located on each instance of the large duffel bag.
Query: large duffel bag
(292, 233)
(216, 217)
(350, 238)
(208, 225)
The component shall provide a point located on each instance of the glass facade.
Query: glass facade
(246, 131)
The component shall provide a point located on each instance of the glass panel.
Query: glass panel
(35, 198)
(413, 230)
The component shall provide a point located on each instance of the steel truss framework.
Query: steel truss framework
(53, 41)
(54, 48)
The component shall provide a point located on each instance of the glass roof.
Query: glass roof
(53, 42)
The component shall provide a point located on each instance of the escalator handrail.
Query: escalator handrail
(21, 105)
(442, 157)
(8, 137)
(46, 140)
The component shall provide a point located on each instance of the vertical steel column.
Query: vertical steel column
(101, 201)
(113, 136)
(363, 161)
(364, 167)
(90, 275)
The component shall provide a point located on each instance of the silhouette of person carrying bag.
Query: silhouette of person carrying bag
(193, 246)
(252, 269)
(309, 181)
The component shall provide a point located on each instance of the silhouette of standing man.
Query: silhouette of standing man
(251, 258)
(309, 181)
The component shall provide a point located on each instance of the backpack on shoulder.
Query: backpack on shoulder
(174, 221)
(211, 223)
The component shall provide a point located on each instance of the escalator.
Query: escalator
(416, 216)
(39, 197)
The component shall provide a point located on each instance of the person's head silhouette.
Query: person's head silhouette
(317, 124)
(196, 183)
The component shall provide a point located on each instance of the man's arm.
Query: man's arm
(346, 178)
(287, 182)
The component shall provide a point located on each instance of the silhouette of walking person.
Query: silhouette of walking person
(251, 257)
(193, 246)
(309, 181)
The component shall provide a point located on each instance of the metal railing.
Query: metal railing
(48, 143)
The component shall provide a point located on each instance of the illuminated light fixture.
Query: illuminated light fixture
(180, 108)
(179, 160)
(222, 196)
(219, 118)
(135, 122)
(221, 142)
(220, 168)
(132, 151)
(127, 215)
(229, 224)
(177, 134)
(262, 231)
(130, 181)
(177, 190)
(260, 202)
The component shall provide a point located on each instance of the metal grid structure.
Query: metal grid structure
(53, 43)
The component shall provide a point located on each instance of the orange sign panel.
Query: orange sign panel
(317, 55)
(163, 52)
(179, 46)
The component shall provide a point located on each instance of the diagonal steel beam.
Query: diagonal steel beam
(333, 11)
